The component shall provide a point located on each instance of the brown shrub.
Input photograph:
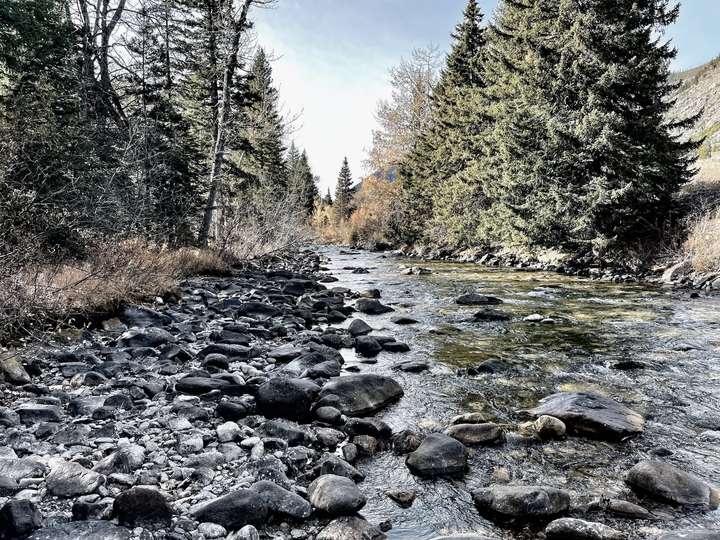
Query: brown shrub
(703, 243)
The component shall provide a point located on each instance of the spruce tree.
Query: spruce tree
(447, 147)
(301, 181)
(343, 193)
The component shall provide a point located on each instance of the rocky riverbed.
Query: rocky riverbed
(340, 397)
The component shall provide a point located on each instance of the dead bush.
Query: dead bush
(703, 243)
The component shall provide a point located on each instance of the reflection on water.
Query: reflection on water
(674, 340)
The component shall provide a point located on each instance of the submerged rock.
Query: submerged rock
(474, 299)
(491, 315)
(438, 455)
(360, 395)
(578, 529)
(696, 534)
(665, 482)
(592, 415)
(521, 502)
(82, 530)
(350, 528)
(477, 434)
(371, 306)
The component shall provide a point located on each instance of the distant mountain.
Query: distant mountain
(700, 90)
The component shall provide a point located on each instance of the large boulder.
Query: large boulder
(13, 370)
(370, 306)
(18, 518)
(336, 495)
(667, 483)
(578, 529)
(521, 502)
(592, 415)
(286, 398)
(438, 455)
(360, 395)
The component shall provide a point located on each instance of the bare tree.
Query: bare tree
(235, 24)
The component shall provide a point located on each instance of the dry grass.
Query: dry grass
(703, 243)
(34, 295)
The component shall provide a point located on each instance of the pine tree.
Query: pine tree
(327, 199)
(301, 182)
(343, 193)
(447, 147)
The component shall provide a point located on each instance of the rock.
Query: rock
(359, 328)
(403, 320)
(293, 434)
(282, 502)
(577, 529)
(82, 530)
(234, 510)
(148, 337)
(231, 411)
(329, 415)
(438, 455)
(371, 306)
(335, 495)
(592, 415)
(623, 509)
(142, 506)
(248, 532)
(350, 528)
(197, 386)
(338, 467)
(286, 398)
(68, 479)
(18, 518)
(403, 498)
(13, 370)
(228, 432)
(491, 315)
(549, 427)
(665, 482)
(368, 346)
(695, 534)
(477, 434)
(470, 418)
(677, 272)
(521, 502)
(285, 353)
(34, 413)
(360, 395)
(212, 530)
(396, 347)
(18, 469)
(474, 299)
(406, 441)
(128, 458)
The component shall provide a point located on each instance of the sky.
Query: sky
(331, 60)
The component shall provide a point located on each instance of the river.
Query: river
(672, 339)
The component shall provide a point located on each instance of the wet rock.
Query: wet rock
(257, 310)
(350, 528)
(403, 320)
(412, 366)
(359, 328)
(35, 413)
(293, 434)
(623, 509)
(248, 532)
(197, 386)
(474, 299)
(470, 418)
(339, 467)
(477, 434)
(396, 347)
(404, 498)
(286, 398)
(491, 315)
(329, 415)
(286, 353)
(13, 370)
(366, 445)
(438, 455)
(592, 415)
(18, 518)
(82, 530)
(695, 534)
(368, 346)
(142, 506)
(360, 395)
(549, 427)
(668, 483)
(335, 495)
(406, 441)
(231, 411)
(371, 306)
(521, 502)
(143, 317)
(234, 510)
(577, 529)
(68, 479)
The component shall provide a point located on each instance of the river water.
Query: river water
(674, 338)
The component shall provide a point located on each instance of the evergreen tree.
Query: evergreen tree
(327, 199)
(343, 193)
(301, 182)
(447, 147)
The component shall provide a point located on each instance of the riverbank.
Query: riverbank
(276, 402)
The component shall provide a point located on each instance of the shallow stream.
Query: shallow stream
(597, 327)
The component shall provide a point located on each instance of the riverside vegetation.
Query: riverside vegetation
(181, 364)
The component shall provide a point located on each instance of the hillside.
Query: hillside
(700, 90)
